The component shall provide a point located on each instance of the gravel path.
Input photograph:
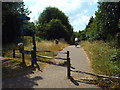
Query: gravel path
(54, 76)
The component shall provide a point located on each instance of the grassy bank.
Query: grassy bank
(105, 60)
(13, 66)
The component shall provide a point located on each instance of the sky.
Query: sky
(78, 11)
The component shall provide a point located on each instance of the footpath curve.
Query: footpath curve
(54, 76)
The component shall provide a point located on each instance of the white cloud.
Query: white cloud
(78, 11)
(78, 21)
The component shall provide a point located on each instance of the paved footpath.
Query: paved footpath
(54, 76)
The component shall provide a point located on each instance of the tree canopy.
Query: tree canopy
(10, 21)
(105, 24)
(53, 23)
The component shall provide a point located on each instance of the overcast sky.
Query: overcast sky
(78, 11)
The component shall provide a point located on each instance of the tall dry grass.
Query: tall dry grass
(100, 55)
(105, 60)
(12, 67)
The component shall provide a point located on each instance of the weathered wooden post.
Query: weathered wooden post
(13, 53)
(23, 57)
(68, 65)
(21, 49)
(32, 58)
(33, 53)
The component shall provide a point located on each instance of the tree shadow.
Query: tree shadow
(21, 82)
(21, 69)
(18, 77)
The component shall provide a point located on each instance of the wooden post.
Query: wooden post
(68, 65)
(34, 48)
(32, 58)
(23, 57)
(13, 53)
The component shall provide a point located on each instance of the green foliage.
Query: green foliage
(115, 57)
(56, 30)
(30, 27)
(10, 21)
(118, 39)
(105, 24)
(52, 13)
(53, 23)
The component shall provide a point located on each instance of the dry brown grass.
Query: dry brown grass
(13, 66)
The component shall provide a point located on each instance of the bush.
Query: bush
(116, 56)
(118, 39)
(38, 39)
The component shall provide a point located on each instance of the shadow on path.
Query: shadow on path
(74, 81)
(88, 81)
(59, 64)
(85, 81)
(53, 63)
(21, 82)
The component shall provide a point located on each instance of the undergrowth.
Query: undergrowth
(13, 66)
(105, 60)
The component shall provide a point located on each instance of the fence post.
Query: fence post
(68, 65)
(33, 58)
(23, 57)
(13, 53)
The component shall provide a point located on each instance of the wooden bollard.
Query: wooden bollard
(21, 49)
(13, 53)
(23, 58)
(33, 58)
(68, 65)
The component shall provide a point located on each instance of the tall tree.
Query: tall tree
(60, 19)
(105, 24)
(56, 30)
(10, 21)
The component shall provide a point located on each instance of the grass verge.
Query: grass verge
(13, 66)
(105, 60)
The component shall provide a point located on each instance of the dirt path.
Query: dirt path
(54, 76)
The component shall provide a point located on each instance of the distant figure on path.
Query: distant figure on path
(56, 41)
(76, 42)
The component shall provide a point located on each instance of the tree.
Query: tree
(90, 21)
(50, 16)
(10, 22)
(105, 24)
(29, 27)
(56, 30)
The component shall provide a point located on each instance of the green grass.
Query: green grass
(104, 58)
(13, 66)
